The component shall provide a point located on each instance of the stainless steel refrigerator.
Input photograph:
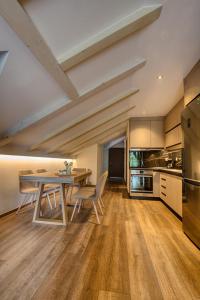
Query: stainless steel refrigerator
(191, 170)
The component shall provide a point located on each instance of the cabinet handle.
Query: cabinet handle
(163, 179)
(164, 187)
(163, 194)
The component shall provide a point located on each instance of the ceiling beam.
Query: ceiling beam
(22, 24)
(115, 142)
(102, 140)
(66, 105)
(112, 79)
(82, 118)
(9, 134)
(81, 130)
(94, 134)
(5, 141)
(113, 34)
(63, 145)
(111, 138)
(98, 137)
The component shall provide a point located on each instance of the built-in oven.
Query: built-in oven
(141, 181)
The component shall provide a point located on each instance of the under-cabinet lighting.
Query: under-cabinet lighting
(160, 77)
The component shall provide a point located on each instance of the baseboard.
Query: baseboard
(144, 198)
(14, 210)
(171, 209)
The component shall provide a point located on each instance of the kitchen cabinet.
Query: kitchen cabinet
(173, 118)
(140, 133)
(146, 133)
(172, 125)
(192, 84)
(157, 134)
(171, 191)
(173, 137)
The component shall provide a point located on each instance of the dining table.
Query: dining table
(42, 179)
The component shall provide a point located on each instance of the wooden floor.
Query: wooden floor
(139, 252)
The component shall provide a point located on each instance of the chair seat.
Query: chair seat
(84, 194)
(52, 186)
(88, 188)
(31, 190)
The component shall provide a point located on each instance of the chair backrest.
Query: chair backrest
(25, 184)
(105, 176)
(101, 184)
(41, 171)
(79, 169)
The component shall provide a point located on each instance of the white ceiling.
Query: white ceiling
(25, 86)
(170, 45)
(66, 23)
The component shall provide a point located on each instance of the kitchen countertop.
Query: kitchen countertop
(176, 172)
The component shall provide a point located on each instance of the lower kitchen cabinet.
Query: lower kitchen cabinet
(171, 191)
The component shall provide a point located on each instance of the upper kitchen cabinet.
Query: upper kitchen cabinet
(157, 134)
(173, 131)
(139, 133)
(173, 118)
(146, 133)
(192, 84)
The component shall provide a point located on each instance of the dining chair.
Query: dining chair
(93, 195)
(49, 189)
(28, 189)
(92, 188)
(75, 185)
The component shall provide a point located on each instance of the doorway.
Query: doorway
(116, 164)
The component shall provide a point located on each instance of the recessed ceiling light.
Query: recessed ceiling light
(160, 77)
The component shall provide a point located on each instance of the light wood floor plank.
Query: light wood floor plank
(138, 252)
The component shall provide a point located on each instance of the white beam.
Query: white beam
(65, 104)
(117, 135)
(102, 140)
(115, 142)
(113, 78)
(9, 134)
(82, 118)
(81, 130)
(99, 137)
(63, 145)
(5, 141)
(123, 28)
(93, 133)
(22, 24)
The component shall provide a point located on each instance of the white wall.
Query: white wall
(88, 158)
(9, 180)
(105, 159)
(99, 160)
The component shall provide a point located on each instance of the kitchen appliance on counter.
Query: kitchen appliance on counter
(191, 170)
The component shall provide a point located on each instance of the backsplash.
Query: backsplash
(166, 159)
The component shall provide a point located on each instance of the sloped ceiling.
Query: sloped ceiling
(169, 46)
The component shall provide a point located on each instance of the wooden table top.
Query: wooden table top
(53, 177)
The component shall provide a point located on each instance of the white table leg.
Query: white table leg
(36, 216)
(63, 204)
